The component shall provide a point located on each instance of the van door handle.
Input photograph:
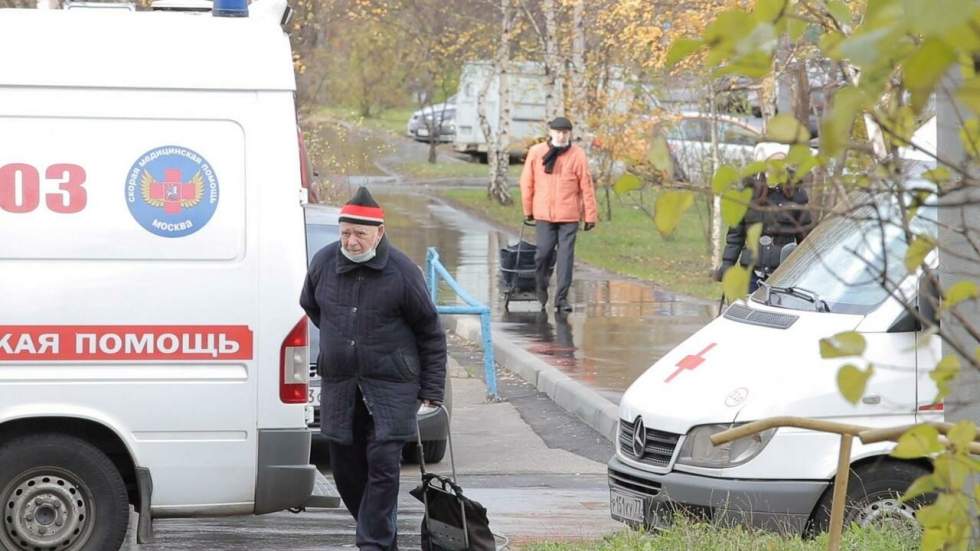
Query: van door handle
(871, 399)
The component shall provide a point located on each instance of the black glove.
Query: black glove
(719, 272)
(588, 226)
(529, 218)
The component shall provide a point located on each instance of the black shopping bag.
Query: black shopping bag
(451, 521)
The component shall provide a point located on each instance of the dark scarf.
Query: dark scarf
(552, 155)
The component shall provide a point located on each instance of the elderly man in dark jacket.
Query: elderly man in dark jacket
(382, 352)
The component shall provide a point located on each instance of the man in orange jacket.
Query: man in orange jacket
(557, 193)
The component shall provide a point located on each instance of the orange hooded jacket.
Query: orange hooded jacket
(565, 195)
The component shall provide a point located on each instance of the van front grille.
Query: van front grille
(659, 448)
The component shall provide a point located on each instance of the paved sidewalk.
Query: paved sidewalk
(533, 489)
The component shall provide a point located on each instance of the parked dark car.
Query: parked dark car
(322, 228)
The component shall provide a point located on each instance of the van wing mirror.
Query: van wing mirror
(786, 250)
(928, 300)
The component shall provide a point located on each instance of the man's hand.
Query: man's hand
(429, 406)
(718, 273)
(529, 218)
(588, 226)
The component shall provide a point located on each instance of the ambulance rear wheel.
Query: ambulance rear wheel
(60, 492)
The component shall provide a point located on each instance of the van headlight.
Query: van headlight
(698, 451)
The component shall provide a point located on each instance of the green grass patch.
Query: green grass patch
(687, 536)
(630, 243)
(390, 120)
(451, 169)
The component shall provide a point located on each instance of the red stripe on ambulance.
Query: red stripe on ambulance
(32, 343)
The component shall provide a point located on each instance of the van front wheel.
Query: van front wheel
(60, 492)
(874, 497)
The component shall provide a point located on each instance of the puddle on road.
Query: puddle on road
(618, 329)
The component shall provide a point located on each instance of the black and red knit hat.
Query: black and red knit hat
(362, 209)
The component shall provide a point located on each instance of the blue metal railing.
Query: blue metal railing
(434, 271)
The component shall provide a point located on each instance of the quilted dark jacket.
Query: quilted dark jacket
(378, 330)
(785, 218)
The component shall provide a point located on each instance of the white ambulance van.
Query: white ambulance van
(152, 349)
(761, 359)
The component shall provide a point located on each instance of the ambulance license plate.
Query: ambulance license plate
(625, 506)
(315, 396)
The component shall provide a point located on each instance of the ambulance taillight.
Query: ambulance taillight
(294, 366)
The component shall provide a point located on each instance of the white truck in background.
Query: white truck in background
(527, 95)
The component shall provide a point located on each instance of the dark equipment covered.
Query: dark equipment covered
(517, 270)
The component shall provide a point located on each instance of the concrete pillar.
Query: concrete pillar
(960, 261)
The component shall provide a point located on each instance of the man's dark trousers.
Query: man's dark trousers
(550, 236)
(367, 476)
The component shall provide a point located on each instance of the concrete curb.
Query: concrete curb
(571, 395)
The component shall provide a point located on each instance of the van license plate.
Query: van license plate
(625, 506)
(315, 396)
(422, 132)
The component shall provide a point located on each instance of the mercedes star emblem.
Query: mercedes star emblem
(639, 438)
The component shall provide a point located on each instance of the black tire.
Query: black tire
(66, 480)
(873, 492)
(434, 452)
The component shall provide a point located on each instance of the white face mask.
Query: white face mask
(560, 139)
(362, 257)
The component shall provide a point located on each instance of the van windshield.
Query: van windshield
(842, 261)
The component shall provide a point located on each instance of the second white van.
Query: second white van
(761, 359)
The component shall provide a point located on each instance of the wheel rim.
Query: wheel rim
(885, 511)
(47, 508)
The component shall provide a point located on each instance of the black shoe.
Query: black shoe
(563, 307)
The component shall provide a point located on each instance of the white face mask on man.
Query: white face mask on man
(360, 258)
(560, 138)
(359, 243)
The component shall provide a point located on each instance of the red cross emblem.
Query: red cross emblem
(690, 362)
(172, 193)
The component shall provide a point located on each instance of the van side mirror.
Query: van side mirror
(928, 300)
(786, 250)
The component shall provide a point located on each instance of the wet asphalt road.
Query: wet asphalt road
(619, 327)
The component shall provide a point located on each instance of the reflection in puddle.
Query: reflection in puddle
(619, 326)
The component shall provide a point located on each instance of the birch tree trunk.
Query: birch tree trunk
(498, 144)
(552, 95)
(481, 107)
(578, 83)
(716, 199)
